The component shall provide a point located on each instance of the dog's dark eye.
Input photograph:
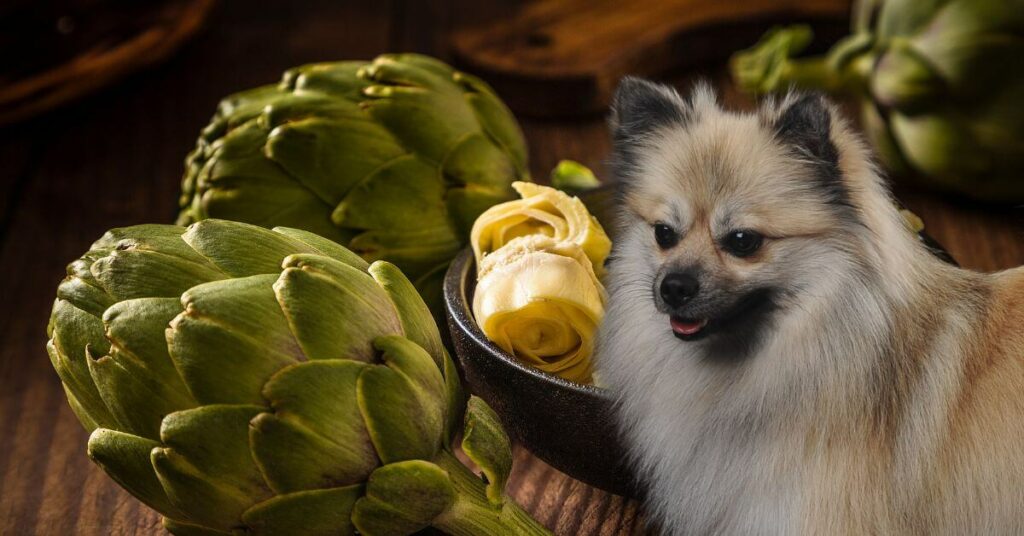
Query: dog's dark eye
(665, 235)
(742, 243)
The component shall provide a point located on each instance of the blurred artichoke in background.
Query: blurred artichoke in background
(244, 380)
(393, 158)
(940, 82)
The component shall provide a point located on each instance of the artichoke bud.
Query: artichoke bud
(241, 379)
(903, 80)
(394, 158)
(938, 83)
(850, 53)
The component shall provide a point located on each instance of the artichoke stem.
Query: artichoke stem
(472, 514)
(811, 73)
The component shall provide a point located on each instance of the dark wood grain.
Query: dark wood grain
(564, 57)
(115, 159)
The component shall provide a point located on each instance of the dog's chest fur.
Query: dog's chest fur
(733, 453)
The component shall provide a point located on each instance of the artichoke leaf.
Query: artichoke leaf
(455, 396)
(242, 249)
(904, 80)
(80, 412)
(402, 498)
(486, 443)
(181, 528)
(315, 436)
(139, 273)
(317, 512)
(497, 120)
(241, 107)
(148, 237)
(268, 202)
(84, 295)
(407, 70)
(74, 334)
(307, 150)
(940, 146)
(137, 399)
(476, 162)
(206, 466)
(231, 339)
(404, 194)
(324, 247)
(414, 252)
(427, 63)
(333, 309)
(336, 79)
(417, 323)
(136, 328)
(126, 458)
(427, 123)
(403, 401)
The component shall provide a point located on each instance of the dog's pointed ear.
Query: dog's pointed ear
(641, 106)
(805, 124)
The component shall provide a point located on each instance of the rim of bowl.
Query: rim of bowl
(459, 310)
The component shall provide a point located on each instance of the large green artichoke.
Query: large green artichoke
(393, 158)
(245, 380)
(940, 82)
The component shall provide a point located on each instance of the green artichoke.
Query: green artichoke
(393, 158)
(939, 81)
(245, 380)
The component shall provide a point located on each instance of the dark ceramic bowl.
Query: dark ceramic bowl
(566, 424)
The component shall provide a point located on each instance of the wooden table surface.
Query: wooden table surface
(115, 159)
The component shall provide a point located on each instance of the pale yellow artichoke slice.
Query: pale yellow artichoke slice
(541, 301)
(541, 211)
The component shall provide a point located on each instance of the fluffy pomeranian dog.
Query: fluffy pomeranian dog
(787, 357)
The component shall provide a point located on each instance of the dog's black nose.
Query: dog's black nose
(677, 289)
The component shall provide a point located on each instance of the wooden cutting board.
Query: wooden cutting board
(564, 57)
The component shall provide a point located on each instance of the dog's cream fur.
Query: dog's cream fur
(887, 395)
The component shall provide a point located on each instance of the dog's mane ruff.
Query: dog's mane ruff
(846, 360)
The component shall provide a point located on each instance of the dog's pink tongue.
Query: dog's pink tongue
(684, 327)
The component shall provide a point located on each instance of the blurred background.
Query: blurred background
(100, 101)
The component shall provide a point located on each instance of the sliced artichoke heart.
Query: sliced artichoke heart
(541, 301)
(541, 211)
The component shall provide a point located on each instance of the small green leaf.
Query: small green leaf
(487, 444)
(573, 176)
(402, 498)
(126, 458)
(318, 512)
